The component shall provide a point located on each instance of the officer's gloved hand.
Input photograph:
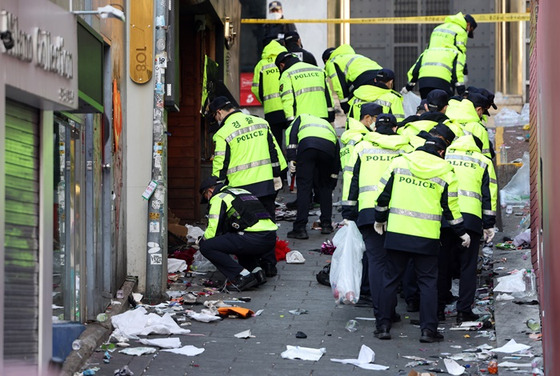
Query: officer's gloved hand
(489, 234)
(292, 167)
(409, 86)
(460, 89)
(277, 183)
(380, 227)
(346, 222)
(466, 238)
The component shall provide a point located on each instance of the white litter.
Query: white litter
(365, 360)
(453, 367)
(164, 343)
(503, 297)
(188, 350)
(203, 317)
(245, 334)
(511, 283)
(294, 257)
(176, 265)
(303, 353)
(131, 324)
(137, 351)
(512, 364)
(511, 347)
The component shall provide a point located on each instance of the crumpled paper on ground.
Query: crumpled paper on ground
(244, 334)
(511, 347)
(203, 316)
(453, 367)
(365, 360)
(131, 324)
(523, 237)
(294, 257)
(303, 353)
(138, 350)
(511, 283)
(165, 343)
(513, 364)
(188, 350)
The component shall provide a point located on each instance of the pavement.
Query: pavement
(296, 288)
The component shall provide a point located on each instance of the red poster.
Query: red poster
(246, 97)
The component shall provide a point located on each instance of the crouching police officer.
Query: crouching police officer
(238, 224)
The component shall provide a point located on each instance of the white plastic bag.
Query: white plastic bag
(346, 264)
(518, 190)
(411, 101)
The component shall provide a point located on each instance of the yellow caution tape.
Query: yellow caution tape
(480, 18)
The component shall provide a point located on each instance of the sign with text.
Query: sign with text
(246, 97)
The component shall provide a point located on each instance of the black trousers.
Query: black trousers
(426, 268)
(376, 257)
(309, 162)
(451, 251)
(409, 285)
(249, 247)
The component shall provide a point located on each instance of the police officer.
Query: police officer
(293, 44)
(313, 148)
(238, 224)
(348, 71)
(246, 154)
(304, 88)
(415, 191)
(266, 88)
(369, 160)
(454, 32)
(469, 112)
(277, 31)
(478, 202)
(438, 68)
(379, 91)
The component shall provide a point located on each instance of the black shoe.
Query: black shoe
(429, 336)
(466, 316)
(382, 332)
(242, 282)
(396, 317)
(260, 276)
(292, 205)
(294, 234)
(269, 268)
(326, 229)
(440, 315)
(412, 306)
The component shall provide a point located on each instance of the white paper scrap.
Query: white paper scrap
(303, 353)
(203, 317)
(365, 360)
(188, 350)
(511, 347)
(138, 350)
(136, 322)
(245, 334)
(164, 343)
(513, 364)
(453, 367)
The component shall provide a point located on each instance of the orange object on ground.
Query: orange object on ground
(238, 311)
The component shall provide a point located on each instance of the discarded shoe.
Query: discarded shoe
(429, 336)
(301, 234)
(326, 229)
(412, 306)
(242, 282)
(269, 268)
(258, 272)
(466, 316)
(383, 332)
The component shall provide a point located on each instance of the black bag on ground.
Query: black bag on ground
(323, 275)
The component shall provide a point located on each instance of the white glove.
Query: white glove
(466, 240)
(292, 166)
(380, 227)
(489, 234)
(404, 91)
(277, 183)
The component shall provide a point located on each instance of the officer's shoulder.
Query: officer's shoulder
(396, 93)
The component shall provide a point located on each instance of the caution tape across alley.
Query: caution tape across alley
(480, 18)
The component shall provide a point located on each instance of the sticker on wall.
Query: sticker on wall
(156, 259)
(149, 190)
(154, 226)
(154, 216)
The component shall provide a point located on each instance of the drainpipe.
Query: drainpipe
(156, 262)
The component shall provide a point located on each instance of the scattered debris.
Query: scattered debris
(303, 353)
(365, 360)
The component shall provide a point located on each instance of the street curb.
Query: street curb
(98, 332)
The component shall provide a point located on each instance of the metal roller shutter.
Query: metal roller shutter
(22, 233)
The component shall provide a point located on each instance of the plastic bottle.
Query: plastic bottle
(352, 325)
(493, 367)
(76, 345)
(530, 282)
